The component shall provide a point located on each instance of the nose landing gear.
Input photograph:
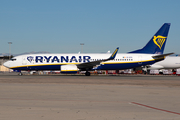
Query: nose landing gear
(20, 74)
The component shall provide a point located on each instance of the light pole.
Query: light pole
(81, 47)
(9, 49)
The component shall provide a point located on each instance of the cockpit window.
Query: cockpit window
(13, 59)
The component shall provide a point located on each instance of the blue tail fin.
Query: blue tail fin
(157, 42)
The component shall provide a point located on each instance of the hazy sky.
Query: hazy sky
(59, 26)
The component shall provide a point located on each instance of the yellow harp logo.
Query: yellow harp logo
(159, 40)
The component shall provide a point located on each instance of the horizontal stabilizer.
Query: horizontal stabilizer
(161, 56)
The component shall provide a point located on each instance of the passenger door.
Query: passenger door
(24, 61)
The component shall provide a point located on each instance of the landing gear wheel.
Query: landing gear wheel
(20, 74)
(144, 72)
(87, 73)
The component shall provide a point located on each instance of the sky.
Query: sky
(59, 26)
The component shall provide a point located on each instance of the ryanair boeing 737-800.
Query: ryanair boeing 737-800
(68, 63)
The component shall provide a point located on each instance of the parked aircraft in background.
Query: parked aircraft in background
(68, 63)
(170, 62)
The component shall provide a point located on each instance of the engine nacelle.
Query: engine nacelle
(69, 69)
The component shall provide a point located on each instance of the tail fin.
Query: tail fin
(157, 42)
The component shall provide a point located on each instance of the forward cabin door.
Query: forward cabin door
(24, 61)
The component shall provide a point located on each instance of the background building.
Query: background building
(2, 60)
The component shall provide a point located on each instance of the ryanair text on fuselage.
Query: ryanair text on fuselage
(58, 59)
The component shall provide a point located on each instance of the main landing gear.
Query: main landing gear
(87, 73)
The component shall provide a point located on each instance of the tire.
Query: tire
(87, 73)
(20, 74)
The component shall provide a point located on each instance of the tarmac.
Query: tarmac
(98, 97)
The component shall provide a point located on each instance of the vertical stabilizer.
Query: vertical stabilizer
(157, 43)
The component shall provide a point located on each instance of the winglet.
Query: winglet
(114, 54)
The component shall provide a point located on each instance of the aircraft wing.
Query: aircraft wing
(89, 65)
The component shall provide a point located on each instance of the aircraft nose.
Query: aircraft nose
(6, 64)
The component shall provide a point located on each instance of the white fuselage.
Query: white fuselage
(55, 61)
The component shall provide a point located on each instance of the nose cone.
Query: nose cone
(6, 64)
